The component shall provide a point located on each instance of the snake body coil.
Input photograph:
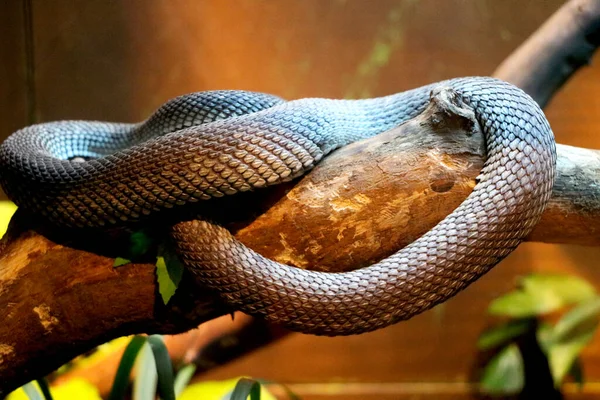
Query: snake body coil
(213, 144)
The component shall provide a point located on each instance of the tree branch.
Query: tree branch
(563, 44)
(368, 198)
(59, 302)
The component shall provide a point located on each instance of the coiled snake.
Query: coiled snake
(212, 144)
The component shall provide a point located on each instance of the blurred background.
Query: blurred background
(119, 61)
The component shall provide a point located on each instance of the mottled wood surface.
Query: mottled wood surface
(120, 60)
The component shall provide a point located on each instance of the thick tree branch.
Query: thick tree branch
(59, 302)
(369, 198)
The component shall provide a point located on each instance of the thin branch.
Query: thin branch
(562, 45)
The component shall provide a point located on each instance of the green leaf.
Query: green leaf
(75, 388)
(183, 378)
(144, 383)
(567, 289)
(43, 384)
(32, 391)
(169, 271)
(140, 243)
(576, 372)
(582, 319)
(175, 267)
(542, 294)
(569, 337)
(164, 368)
(120, 261)
(166, 286)
(505, 373)
(244, 388)
(520, 304)
(121, 381)
(544, 336)
(501, 334)
(561, 356)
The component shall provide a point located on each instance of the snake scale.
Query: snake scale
(211, 144)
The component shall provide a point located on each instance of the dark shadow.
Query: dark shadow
(233, 212)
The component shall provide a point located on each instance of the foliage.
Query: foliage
(121, 380)
(244, 388)
(7, 209)
(169, 270)
(526, 310)
(505, 372)
(224, 390)
(73, 389)
(148, 356)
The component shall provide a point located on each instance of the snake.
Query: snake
(206, 145)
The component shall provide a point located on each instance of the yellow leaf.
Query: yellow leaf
(74, 389)
(216, 390)
(18, 394)
(7, 209)
(101, 353)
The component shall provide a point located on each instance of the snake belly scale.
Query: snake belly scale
(213, 144)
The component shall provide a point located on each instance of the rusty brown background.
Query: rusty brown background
(120, 60)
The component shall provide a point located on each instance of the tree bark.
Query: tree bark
(63, 297)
